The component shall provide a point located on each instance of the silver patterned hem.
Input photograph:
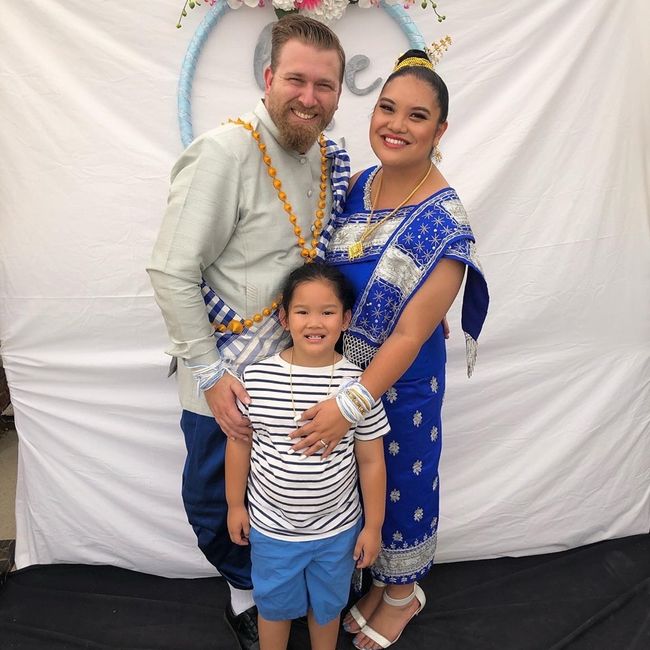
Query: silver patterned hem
(405, 564)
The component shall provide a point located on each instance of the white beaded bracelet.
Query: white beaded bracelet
(354, 401)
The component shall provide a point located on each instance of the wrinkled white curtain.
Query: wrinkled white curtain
(546, 447)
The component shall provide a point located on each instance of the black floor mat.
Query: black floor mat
(591, 598)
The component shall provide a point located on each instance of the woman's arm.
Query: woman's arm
(238, 458)
(417, 323)
(372, 477)
(422, 315)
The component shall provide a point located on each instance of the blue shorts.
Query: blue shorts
(290, 578)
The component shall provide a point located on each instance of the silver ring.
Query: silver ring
(325, 444)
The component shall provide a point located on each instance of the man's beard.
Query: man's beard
(293, 135)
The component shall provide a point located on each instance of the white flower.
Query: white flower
(235, 4)
(434, 385)
(434, 523)
(393, 448)
(327, 10)
(434, 434)
(417, 467)
(418, 514)
(435, 484)
(397, 536)
(394, 495)
(391, 395)
(366, 4)
(417, 418)
(285, 5)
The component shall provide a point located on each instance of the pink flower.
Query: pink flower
(308, 4)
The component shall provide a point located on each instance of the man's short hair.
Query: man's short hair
(307, 30)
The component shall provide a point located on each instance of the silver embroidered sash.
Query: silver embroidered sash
(414, 243)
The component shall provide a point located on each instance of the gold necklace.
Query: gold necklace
(308, 254)
(355, 249)
(296, 417)
(237, 326)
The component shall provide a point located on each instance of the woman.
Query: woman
(404, 241)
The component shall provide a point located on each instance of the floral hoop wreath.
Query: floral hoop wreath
(396, 12)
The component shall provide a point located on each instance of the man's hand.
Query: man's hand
(222, 400)
(327, 426)
(238, 525)
(367, 547)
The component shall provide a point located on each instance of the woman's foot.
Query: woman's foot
(386, 624)
(364, 609)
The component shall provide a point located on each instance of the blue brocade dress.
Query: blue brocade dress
(397, 258)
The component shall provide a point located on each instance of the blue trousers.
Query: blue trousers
(204, 497)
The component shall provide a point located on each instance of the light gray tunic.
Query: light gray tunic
(225, 223)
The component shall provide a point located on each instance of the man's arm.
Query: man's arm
(198, 223)
(200, 219)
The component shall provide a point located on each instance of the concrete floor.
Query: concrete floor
(8, 464)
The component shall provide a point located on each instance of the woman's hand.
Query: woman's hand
(326, 425)
(367, 547)
(239, 526)
(222, 400)
(445, 328)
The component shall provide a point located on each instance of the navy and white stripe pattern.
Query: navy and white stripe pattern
(218, 312)
(274, 339)
(339, 181)
(296, 498)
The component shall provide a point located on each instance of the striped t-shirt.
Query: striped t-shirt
(296, 498)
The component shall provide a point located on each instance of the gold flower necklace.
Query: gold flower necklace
(308, 254)
(355, 249)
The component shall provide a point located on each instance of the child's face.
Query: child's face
(315, 320)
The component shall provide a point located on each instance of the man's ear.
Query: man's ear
(347, 317)
(282, 315)
(268, 78)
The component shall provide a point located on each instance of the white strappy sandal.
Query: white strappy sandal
(358, 617)
(382, 641)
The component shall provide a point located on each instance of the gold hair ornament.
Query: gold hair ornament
(412, 62)
(434, 53)
(437, 49)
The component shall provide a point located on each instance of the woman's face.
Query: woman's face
(405, 123)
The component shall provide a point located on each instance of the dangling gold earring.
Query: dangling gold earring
(436, 155)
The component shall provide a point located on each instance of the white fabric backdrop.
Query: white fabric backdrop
(547, 447)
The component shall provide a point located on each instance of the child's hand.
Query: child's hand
(238, 525)
(367, 547)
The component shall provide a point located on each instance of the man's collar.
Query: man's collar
(264, 117)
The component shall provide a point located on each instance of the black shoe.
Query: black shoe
(244, 627)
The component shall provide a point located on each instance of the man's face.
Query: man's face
(302, 93)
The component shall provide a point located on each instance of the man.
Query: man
(247, 204)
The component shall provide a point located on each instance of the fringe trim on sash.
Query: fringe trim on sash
(471, 352)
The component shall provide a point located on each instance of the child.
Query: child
(304, 514)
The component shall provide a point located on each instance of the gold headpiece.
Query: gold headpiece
(434, 53)
(413, 61)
